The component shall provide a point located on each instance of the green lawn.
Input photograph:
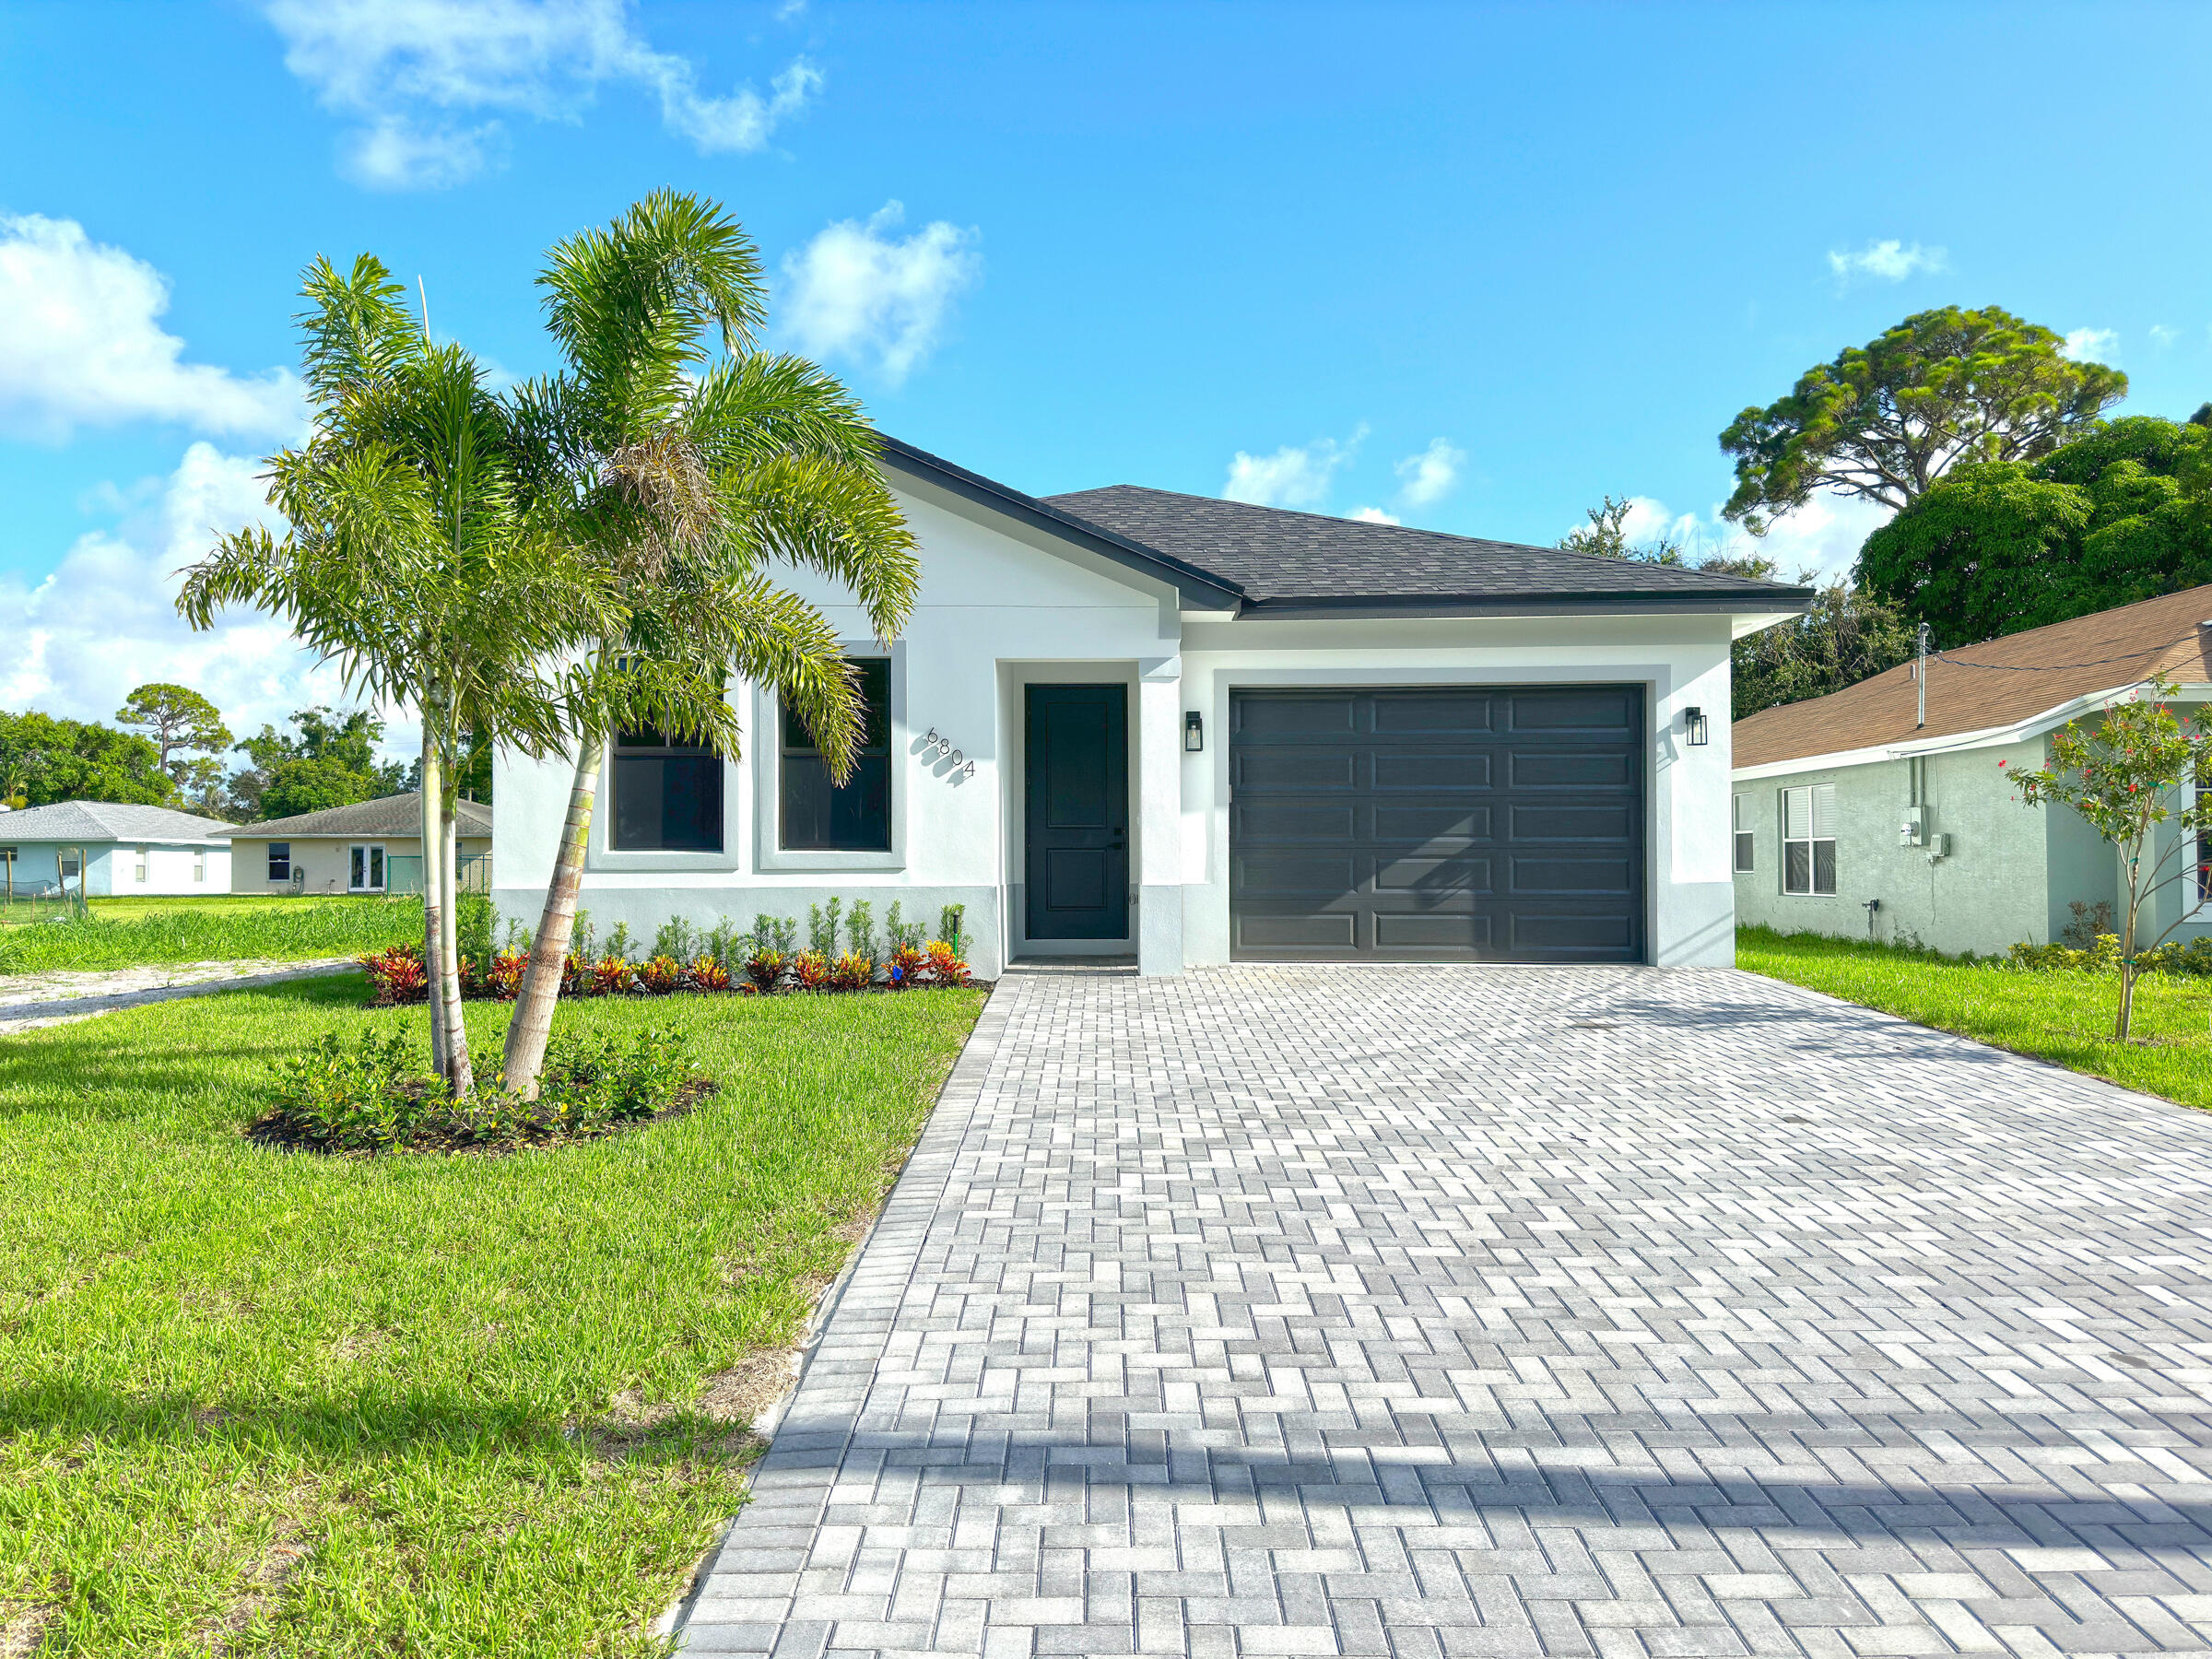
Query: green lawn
(130, 933)
(2066, 1018)
(415, 1404)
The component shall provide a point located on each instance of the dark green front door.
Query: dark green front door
(1077, 831)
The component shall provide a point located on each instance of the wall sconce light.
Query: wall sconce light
(1194, 732)
(1694, 727)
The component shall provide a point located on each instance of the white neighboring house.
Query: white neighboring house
(111, 849)
(1179, 731)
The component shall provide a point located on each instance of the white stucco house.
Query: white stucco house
(109, 848)
(1179, 731)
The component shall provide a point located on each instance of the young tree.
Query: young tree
(181, 725)
(1885, 420)
(409, 560)
(2123, 776)
(679, 473)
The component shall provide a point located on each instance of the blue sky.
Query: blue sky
(1471, 266)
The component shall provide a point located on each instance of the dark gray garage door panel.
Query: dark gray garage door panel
(1438, 824)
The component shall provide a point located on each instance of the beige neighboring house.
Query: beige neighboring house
(371, 847)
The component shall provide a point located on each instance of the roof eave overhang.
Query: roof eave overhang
(1766, 607)
(1194, 589)
(1996, 737)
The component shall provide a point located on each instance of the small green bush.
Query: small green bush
(375, 1095)
(2191, 961)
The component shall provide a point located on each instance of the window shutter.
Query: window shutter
(1796, 814)
(1824, 811)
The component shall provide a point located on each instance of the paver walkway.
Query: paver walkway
(1494, 1312)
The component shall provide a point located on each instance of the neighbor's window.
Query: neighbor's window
(2204, 845)
(1742, 810)
(667, 794)
(1809, 839)
(140, 874)
(8, 869)
(199, 863)
(280, 861)
(819, 816)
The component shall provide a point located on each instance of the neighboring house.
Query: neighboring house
(1854, 818)
(1128, 723)
(370, 847)
(111, 849)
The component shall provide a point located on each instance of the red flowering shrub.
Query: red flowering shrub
(505, 976)
(612, 975)
(763, 969)
(707, 974)
(851, 972)
(945, 967)
(396, 976)
(660, 974)
(903, 966)
(811, 968)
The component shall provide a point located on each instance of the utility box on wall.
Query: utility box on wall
(1913, 832)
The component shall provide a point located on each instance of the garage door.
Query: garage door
(1438, 824)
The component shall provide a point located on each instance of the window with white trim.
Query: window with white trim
(1741, 810)
(199, 863)
(816, 815)
(280, 861)
(667, 793)
(2202, 783)
(1809, 839)
(140, 874)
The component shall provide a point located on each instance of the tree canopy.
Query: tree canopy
(1888, 420)
(327, 759)
(2122, 514)
(58, 760)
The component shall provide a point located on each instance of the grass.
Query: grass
(131, 933)
(414, 1404)
(2062, 1016)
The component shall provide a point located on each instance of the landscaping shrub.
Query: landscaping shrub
(2192, 961)
(376, 1095)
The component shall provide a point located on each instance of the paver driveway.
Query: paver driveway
(1467, 1310)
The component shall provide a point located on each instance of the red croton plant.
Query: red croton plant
(2125, 775)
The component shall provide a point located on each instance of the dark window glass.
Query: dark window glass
(280, 861)
(820, 816)
(667, 794)
(1743, 849)
(1798, 872)
(1824, 866)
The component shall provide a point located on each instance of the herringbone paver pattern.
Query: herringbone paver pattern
(1490, 1311)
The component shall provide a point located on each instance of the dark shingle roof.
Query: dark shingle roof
(1282, 560)
(107, 820)
(387, 815)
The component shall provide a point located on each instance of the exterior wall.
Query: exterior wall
(999, 611)
(1993, 891)
(324, 858)
(112, 868)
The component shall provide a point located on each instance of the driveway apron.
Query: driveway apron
(1462, 1310)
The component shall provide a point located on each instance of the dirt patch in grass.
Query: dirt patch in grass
(25, 1627)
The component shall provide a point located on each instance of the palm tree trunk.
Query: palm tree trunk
(532, 1023)
(460, 1077)
(433, 901)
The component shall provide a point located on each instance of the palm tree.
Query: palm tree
(681, 474)
(410, 560)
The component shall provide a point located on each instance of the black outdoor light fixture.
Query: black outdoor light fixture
(1694, 727)
(1194, 732)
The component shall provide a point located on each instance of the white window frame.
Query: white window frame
(268, 853)
(199, 863)
(138, 873)
(1815, 804)
(767, 781)
(372, 861)
(1743, 845)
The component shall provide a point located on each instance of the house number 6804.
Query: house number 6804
(941, 748)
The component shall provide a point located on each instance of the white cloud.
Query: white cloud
(1294, 475)
(1374, 516)
(1822, 537)
(1890, 260)
(81, 344)
(856, 291)
(105, 619)
(1426, 478)
(2090, 344)
(2162, 337)
(414, 71)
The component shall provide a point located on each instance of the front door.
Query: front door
(365, 872)
(1077, 815)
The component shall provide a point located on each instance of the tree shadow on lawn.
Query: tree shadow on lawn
(114, 1066)
(371, 1424)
